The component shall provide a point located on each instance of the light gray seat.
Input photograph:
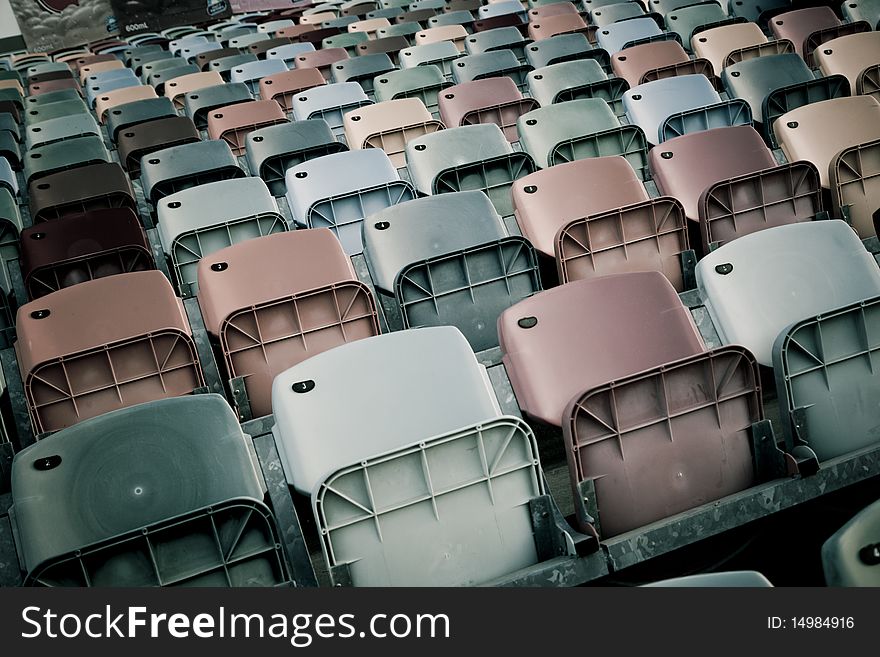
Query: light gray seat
(329, 102)
(614, 38)
(648, 105)
(368, 397)
(288, 52)
(851, 556)
(757, 285)
(441, 54)
(60, 129)
(251, 72)
(337, 191)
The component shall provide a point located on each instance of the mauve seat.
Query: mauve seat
(491, 100)
(283, 87)
(136, 346)
(797, 25)
(684, 167)
(634, 62)
(547, 200)
(583, 334)
(321, 59)
(81, 247)
(233, 123)
(275, 301)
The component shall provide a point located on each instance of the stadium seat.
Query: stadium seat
(542, 338)
(508, 38)
(855, 186)
(389, 126)
(862, 10)
(564, 48)
(849, 56)
(475, 157)
(64, 155)
(60, 129)
(618, 36)
(233, 123)
(492, 64)
(198, 221)
(322, 60)
(329, 102)
(413, 368)
(362, 69)
(456, 34)
(275, 301)
(716, 43)
(491, 100)
(799, 24)
(79, 190)
(650, 104)
(338, 191)
(177, 88)
(200, 103)
(423, 82)
(93, 501)
(757, 285)
(137, 112)
(139, 141)
(576, 79)
(850, 555)
(288, 52)
(252, 72)
(283, 87)
(441, 54)
(137, 348)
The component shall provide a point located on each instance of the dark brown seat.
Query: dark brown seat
(135, 142)
(82, 247)
(684, 167)
(87, 188)
(274, 301)
(233, 123)
(580, 335)
(40, 88)
(137, 346)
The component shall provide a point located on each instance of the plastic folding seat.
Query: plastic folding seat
(270, 27)
(54, 130)
(805, 269)
(39, 88)
(413, 369)
(243, 41)
(150, 68)
(649, 105)
(283, 87)
(462, 5)
(508, 20)
(454, 33)
(405, 30)
(548, 359)
(198, 221)
(476, 157)
(849, 556)
(716, 43)
(362, 69)
(854, 177)
(182, 47)
(563, 48)
(295, 31)
(251, 72)
(233, 123)
(502, 8)
(87, 58)
(732, 579)
(317, 18)
(578, 129)
(8, 179)
(272, 302)
(338, 191)
(82, 247)
(612, 13)
(776, 84)
(369, 26)
(502, 38)
(638, 61)
(224, 65)
(547, 200)
(200, 103)
(111, 99)
(758, 11)
(322, 60)
(441, 54)
(10, 138)
(181, 167)
(138, 347)
(177, 88)
(389, 126)
(159, 78)
(550, 26)
(12, 102)
(684, 167)
(205, 503)
(329, 102)
(449, 262)
(741, 205)
(136, 113)
(10, 249)
(288, 52)
(862, 10)
(138, 141)
(390, 13)
(496, 63)
(79, 190)
(461, 17)
(357, 7)
(315, 37)
(490, 100)
(422, 82)
(98, 67)
(273, 150)
(62, 95)
(818, 132)
(389, 46)
(347, 40)
(16, 86)
(618, 36)
(64, 155)
(799, 24)
(497, 528)
(581, 78)
(203, 60)
(688, 19)
(136, 57)
(849, 56)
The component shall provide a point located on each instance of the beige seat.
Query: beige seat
(849, 55)
(98, 67)
(454, 33)
(799, 24)
(369, 26)
(716, 43)
(111, 99)
(177, 88)
(389, 125)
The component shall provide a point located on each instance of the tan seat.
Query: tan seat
(849, 56)
(177, 88)
(111, 99)
(855, 185)
(716, 43)
(550, 26)
(274, 301)
(12, 84)
(389, 125)
(233, 122)
(283, 87)
(321, 59)
(369, 26)
(547, 200)
(312, 19)
(819, 131)
(98, 67)
(632, 64)
(295, 31)
(454, 33)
